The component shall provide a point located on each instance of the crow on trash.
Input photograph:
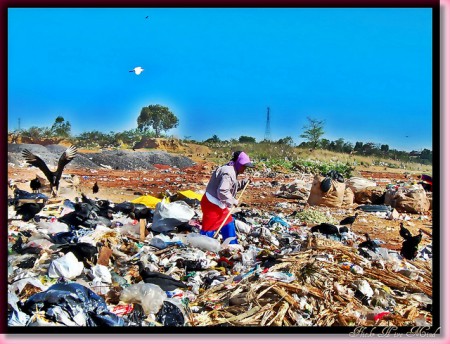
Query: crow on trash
(369, 244)
(35, 184)
(83, 251)
(29, 210)
(165, 282)
(349, 220)
(138, 214)
(410, 246)
(326, 229)
(95, 188)
(52, 176)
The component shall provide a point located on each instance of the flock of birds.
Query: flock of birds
(104, 212)
(410, 245)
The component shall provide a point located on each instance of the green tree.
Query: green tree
(286, 141)
(61, 127)
(95, 138)
(247, 139)
(358, 146)
(324, 143)
(348, 147)
(339, 145)
(158, 117)
(426, 154)
(213, 139)
(384, 148)
(37, 133)
(313, 131)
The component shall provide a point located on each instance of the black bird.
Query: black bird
(17, 247)
(369, 244)
(138, 214)
(83, 251)
(95, 188)
(35, 184)
(52, 176)
(326, 229)
(404, 232)
(29, 210)
(343, 229)
(410, 246)
(349, 220)
(165, 282)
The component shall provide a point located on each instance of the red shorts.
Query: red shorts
(213, 215)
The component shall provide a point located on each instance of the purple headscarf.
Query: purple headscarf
(240, 159)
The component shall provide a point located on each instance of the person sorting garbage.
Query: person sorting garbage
(219, 198)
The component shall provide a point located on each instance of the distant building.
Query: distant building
(415, 154)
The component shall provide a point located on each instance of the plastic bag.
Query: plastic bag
(169, 215)
(242, 227)
(278, 276)
(171, 314)
(149, 296)
(72, 303)
(67, 266)
(52, 227)
(202, 242)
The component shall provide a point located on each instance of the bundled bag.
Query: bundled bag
(331, 198)
(408, 200)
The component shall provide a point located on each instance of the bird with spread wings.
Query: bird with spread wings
(52, 176)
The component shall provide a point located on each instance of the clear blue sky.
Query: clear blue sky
(366, 72)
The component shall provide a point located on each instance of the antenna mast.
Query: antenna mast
(267, 134)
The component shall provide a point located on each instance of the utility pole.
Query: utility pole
(19, 123)
(267, 133)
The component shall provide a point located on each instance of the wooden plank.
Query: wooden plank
(103, 256)
(142, 224)
(30, 200)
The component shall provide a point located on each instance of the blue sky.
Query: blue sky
(365, 72)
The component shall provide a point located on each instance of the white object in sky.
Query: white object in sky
(137, 70)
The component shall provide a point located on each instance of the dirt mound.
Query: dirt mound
(174, 146)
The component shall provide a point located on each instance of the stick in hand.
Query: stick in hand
(231, 210)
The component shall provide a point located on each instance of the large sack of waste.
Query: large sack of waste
(408, 199)
(298, 189)
(331, 198)
(370, 195)
(359, 183)
(349, 197)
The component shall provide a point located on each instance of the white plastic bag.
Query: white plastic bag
(169, 215)
(52, 227)
(67, 266)
(101, 273)
(203, 242)
(149, 296)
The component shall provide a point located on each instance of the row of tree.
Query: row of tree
(154, 120)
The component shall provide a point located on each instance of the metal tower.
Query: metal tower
(267, 134)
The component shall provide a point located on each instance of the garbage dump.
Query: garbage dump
(91, 264)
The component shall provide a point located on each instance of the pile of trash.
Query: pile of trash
(89, 262)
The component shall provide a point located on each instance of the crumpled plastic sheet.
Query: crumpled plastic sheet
(72, 304)
(171, 314)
